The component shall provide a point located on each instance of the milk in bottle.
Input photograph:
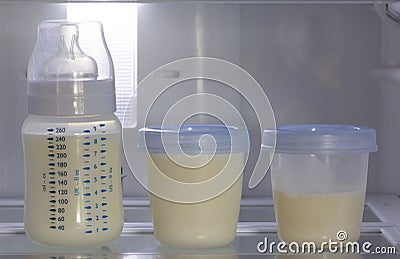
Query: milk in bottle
(72, 139)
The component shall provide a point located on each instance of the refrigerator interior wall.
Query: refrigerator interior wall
(314, 62)
(18, 25)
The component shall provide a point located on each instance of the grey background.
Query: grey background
(314, 62)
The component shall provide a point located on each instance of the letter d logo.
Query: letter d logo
(262, 246)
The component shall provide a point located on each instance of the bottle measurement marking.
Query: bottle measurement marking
(58, 166)
(51, 165)
(95, 178)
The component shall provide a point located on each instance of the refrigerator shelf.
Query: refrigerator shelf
(380, 226)
(212, 1)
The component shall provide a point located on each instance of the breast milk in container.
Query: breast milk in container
(72, 139)
(195, 174)
(319, 180)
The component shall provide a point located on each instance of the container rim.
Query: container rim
(193, 138)
(309, 138)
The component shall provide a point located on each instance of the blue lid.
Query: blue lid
(196, 138)
(320, 138)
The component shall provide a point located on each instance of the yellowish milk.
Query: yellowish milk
(318, 217)
(210, 223)
(73, 190)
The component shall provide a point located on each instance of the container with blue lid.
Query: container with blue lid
(319, 179)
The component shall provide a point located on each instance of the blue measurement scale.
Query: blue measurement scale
(92, 180)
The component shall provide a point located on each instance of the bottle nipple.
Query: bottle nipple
(71, 63)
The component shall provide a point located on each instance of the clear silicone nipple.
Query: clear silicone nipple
(71, 63)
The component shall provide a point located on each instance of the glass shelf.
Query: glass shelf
(256, 222)
(210, 1)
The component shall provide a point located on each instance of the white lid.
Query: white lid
(70, 71)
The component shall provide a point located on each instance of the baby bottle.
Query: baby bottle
(72, 139)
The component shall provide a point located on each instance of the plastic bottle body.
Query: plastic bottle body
(73, 191)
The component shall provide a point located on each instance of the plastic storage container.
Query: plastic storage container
(319, 176)
(195, 183)
(72, 139)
